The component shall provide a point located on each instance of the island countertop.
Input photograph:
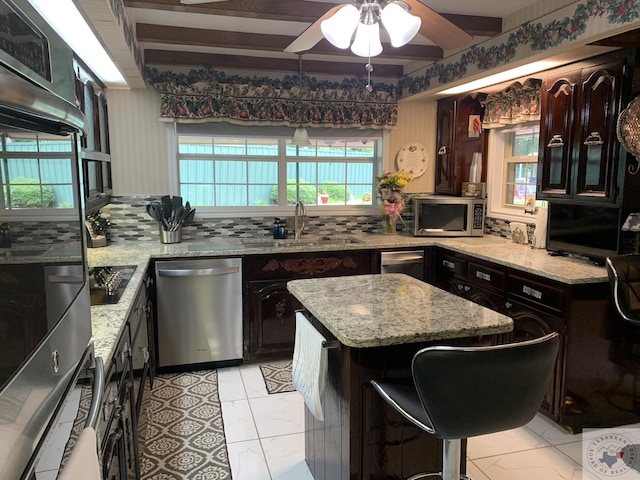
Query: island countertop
(392, 309)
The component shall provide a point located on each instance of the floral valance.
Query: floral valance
(518, 103)
(208, 95)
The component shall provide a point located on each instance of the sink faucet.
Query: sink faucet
(298, 220)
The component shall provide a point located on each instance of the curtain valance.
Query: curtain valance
(518, 103)
(207, 95)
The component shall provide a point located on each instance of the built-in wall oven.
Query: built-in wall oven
(45, 324)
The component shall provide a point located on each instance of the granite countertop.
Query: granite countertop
(108, 320)
(379, 310)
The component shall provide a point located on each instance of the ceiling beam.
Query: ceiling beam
(267, 43)
(298, 11)
(172, 57)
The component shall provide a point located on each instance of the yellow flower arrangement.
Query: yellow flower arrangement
(390, 187)
(395, 181)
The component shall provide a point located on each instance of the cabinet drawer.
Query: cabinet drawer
(447, 265)
(307, 265)
(540, 295)
(486, 277)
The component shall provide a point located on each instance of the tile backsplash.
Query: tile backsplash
(129, 222)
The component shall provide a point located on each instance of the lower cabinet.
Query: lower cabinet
(269, 317)
(126, 376)
(273, 322)
(585, 390)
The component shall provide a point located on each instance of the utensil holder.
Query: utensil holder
(173, 236)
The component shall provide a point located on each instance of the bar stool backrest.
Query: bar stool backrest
(624, 279)
(470, 391)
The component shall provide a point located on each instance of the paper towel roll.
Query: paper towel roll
(541, 227)
(309, 365)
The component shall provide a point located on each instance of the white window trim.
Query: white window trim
(242, 212)
(496, 179)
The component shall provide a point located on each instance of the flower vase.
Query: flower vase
(389, 226)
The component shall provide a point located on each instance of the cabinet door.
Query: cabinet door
(446, 120)
(272, 319)
(528, 324)
(559, 97)
(596, 148)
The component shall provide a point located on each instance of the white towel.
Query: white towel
(83, 462)
(309, 365)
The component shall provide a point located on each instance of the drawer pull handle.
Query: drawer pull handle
(593, 139)
(532, 292)
(448, 264)
(483, 276)
(556, 142)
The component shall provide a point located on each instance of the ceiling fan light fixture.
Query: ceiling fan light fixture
(339, 28)
(367, 41)
(399, 23)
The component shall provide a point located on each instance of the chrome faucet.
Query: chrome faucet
(298, 220)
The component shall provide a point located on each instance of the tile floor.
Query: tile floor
(265, 439)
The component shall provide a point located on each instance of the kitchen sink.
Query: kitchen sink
(300, 243)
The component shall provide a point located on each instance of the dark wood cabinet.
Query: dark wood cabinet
(579, 151)
(454, 144)
(269, 325)
(584, 390)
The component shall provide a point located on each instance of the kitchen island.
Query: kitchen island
(380, 321)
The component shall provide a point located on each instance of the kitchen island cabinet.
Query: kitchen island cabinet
(380, 321)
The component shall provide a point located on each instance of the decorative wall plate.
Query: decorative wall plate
(413, 158)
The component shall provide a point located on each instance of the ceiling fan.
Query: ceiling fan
(433, 26)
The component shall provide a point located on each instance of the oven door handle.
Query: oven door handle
(96, 394)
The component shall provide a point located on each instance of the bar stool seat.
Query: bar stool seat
(460, 392)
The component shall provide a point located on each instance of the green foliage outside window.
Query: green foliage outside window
(29, 193)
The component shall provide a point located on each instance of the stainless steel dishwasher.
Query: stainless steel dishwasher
(410, 262)
(199, 311)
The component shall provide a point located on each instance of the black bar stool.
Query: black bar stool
(461, 392)
(624, 279)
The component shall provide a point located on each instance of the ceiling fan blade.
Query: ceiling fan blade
(312, 35)
(437, 28)
(197, 2)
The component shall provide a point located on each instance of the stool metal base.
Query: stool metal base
(450, 462)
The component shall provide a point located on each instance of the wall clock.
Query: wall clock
(413, 158)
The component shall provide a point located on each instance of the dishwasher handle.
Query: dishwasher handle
(193, 272)
(401, 258)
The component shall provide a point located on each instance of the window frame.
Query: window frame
(282, 158)
(42, 214)
(499, 142)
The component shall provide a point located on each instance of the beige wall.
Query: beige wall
(139, 152)
(139, 149)
(416, 123)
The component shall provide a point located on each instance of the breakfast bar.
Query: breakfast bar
(379, 322)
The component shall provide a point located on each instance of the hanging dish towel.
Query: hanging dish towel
(309, 365)
(83, 461)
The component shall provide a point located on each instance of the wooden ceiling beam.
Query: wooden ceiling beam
(172, 57)
(298, 11)
(266, 43)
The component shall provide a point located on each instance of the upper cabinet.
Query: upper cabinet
(579, 152)
(459, 136)
(96, 150)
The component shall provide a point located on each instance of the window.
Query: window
(254, 172)
(521, 165)
(37, 171)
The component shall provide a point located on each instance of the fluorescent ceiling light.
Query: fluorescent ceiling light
(501, 77)
(66, 20)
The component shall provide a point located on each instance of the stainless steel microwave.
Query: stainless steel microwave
(448, 216)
